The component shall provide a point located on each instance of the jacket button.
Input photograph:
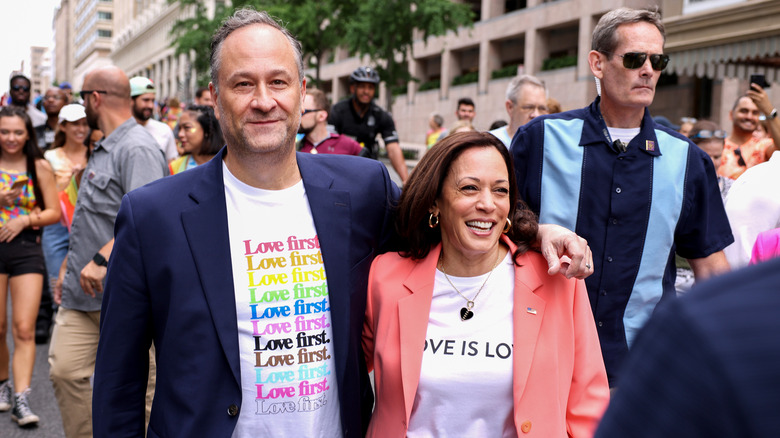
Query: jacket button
(526, 426)
(233, 410)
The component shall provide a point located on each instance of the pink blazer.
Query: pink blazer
(767, 246)
(559, 383)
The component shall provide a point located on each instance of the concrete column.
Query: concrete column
(336, 90)
(583, 47)
(489, 60)
(492, 8)
(450, 67)
(530, 64)
(415, 70)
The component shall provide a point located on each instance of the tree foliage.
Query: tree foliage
(382, 30)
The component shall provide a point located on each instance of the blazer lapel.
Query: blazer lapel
(206, 228)
(413, 314)
(331, 211)
(528, 316)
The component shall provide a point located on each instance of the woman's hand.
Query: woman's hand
(8, 196)
(12, 228)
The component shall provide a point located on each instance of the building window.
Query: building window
(104, 33)
(103, 15)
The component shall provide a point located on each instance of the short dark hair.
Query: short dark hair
(19, 76)
(465, 101)
(199, 92)
(212, 133)
(242, 18)
(425, 186)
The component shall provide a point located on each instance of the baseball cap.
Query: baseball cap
(140, 85)
(72, 112)
(65, 86)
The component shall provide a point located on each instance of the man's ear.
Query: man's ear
(509, 106)
(214, 97)
(322, 116)
(595, 61)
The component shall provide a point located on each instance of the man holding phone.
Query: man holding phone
(745, 117)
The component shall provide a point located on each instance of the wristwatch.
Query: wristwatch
(100, 260)
(772, 115)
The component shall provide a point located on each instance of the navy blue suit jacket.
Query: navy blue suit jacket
(170, 281)
(706, 365)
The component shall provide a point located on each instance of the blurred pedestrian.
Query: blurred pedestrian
(200, 136)
(28, 200)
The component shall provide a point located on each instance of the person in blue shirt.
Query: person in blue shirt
(637, 191)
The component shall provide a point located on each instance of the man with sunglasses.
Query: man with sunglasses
(126, 158)
(314, 125)
(634, 189)
(20, 96)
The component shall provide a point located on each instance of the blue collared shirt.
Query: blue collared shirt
(634, 207)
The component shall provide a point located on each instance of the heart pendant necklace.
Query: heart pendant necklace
(465, 312)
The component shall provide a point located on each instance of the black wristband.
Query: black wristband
(100, 260)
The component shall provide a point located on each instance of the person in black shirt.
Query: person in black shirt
(360, 118)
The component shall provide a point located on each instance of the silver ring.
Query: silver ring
(587, 265)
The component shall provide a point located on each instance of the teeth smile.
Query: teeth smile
(482, 226)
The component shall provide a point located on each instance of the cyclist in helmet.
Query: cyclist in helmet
(360, 118)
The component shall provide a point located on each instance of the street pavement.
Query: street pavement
(42, 400)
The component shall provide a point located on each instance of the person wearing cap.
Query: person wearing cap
(68, 157)
(362, 119)
(143, 92)
(67, 90)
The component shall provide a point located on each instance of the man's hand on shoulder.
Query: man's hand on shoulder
(566, 252)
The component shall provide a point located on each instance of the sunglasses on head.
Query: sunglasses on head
(706, 133)
(635, 60)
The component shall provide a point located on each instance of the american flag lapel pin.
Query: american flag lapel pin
(531, 310)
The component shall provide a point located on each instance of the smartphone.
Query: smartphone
(19, 183)
(760, 80)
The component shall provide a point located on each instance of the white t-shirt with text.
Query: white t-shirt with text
(288, 373)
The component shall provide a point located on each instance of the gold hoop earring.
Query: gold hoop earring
(508, 226)
(433, 221)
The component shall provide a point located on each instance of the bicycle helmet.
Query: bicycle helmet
(365, 74)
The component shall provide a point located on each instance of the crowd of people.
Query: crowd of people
(238, 265)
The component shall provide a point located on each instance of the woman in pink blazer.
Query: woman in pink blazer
(465, 331)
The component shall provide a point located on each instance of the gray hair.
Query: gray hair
(605, 37)
(513, 89)
(437, 119)
(246, 17)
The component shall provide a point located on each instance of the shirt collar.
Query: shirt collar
(109, 141)
(594, 131)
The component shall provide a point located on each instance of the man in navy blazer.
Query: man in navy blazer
(175, 276)
(706, 365)
(249, 272)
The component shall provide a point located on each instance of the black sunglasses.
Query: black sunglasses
(705, 133)
(309, 111)
(85, 93)
(20, 87)
(635, 60)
